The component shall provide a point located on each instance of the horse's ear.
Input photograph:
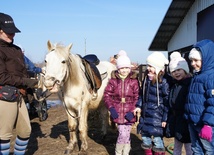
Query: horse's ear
(69, 47)
(49, 45)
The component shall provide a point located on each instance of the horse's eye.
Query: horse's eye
(63, 61)
(45, 61)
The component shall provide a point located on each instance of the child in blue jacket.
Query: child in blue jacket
(153, 105)
(199, 109)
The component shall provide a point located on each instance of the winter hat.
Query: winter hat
(122, 52)
(175, 54)
(157, 60)
(195, 54)
(123, 61)
(178, 62)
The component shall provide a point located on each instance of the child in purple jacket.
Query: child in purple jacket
(120, 96)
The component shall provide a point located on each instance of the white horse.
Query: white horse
(66, 72)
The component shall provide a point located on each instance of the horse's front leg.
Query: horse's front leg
(72, 126)
(83, 127)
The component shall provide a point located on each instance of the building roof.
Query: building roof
(173, 18)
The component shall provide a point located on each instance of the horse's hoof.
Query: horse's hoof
(67, 151)
(70, 148)
(82, 153)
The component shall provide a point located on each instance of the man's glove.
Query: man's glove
(206, 133)
(129, 116)
(29, 83)
(114, 113)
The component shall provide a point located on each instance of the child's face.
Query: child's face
(196, 64)
(124, 71)
(179, 74)
(151, 70)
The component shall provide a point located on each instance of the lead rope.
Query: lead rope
(43, 98)
(66, 108)
(62, 97)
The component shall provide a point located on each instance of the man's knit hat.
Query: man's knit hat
(178, 62)
(123, 61)
(158, 61)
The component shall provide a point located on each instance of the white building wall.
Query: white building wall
(186, 33)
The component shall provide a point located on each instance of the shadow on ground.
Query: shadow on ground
(52, 136)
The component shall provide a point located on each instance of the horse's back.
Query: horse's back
(110, 67)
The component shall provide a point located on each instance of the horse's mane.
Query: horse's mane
(59, 48)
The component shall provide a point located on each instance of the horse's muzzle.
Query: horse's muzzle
(51, 84)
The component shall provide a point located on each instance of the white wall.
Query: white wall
(186, 34)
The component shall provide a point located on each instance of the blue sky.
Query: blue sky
(101, 27)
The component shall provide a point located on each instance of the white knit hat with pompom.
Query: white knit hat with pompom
(122, 52)
(178, 62)
(157, 60)
(123, 61)
(175, 54)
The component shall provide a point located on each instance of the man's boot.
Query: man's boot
(4, 147)
(20, 145)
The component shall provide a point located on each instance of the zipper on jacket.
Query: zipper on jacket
(123, 99)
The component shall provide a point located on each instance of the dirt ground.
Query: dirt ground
(51, 137)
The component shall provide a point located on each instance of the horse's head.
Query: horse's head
(57, 66)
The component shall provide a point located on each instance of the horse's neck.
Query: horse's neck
(75, 72)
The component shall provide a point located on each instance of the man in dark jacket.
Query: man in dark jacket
(13, 80)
